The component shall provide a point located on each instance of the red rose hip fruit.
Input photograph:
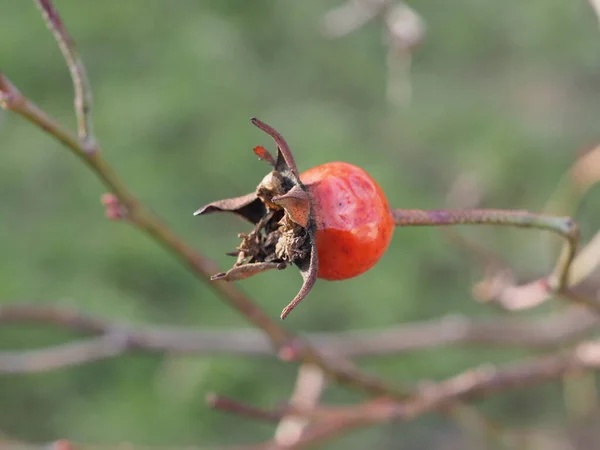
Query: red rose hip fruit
(354, 224)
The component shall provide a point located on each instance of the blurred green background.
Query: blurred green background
(506, 92)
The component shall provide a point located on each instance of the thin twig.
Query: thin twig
(557, 282)
(583, 175)
(488, 380)
(62, 356)
(500, 285)
(310, 384)
(114, 339)
(81, 84)
(543, 333)
(471, 384)
(231, 406)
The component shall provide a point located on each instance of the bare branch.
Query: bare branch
(81, 84)
(114, 339)
(468, 385)
(488, 380)
(557, 282)
(546, 332)
(583, 175)
(500, 286)
(484, 381)
(229, 405)
(310, 384)
(61, 356)
(60, 317)
(328, 429)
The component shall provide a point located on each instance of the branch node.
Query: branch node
(10, 96)
(114, 209)
(231, 406)
(290, 351)
(89, 146)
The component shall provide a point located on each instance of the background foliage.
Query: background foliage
(504, 91)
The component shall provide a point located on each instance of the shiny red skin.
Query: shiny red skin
(353, 219)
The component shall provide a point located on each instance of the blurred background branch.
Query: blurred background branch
(116, 338)
(403, 32)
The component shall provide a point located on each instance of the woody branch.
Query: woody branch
(331, 421)
(109, 339)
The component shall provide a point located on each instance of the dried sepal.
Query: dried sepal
(246, 271)
(296, 204)
(247, 206)
(309, 269)
(280, 210)
(264, 155)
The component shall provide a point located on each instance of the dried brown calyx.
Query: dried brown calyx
(284, 230)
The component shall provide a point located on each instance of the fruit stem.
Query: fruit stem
(565, 227)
